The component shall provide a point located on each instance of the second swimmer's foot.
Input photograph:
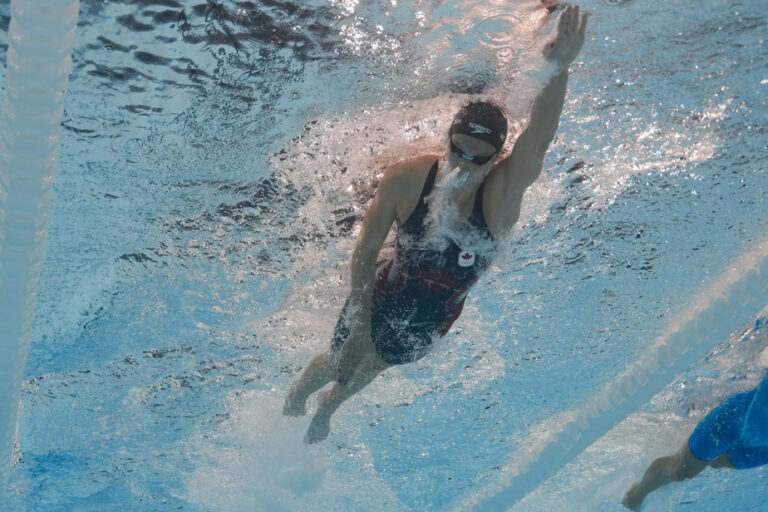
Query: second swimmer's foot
(631, 500)
(292, 406)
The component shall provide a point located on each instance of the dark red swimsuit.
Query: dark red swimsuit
(421, 291)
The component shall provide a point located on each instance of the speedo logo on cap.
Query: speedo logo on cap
(476, 128)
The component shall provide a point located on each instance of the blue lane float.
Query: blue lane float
(39, 60)
(727, 305)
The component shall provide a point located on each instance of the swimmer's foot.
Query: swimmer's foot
(293, 406)
(632, 499)
(320, 426)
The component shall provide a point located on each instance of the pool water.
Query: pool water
(214, 167)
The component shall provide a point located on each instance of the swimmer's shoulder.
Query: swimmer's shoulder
(404, 181)
(410, 173)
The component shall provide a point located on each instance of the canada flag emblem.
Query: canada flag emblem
(466, 258)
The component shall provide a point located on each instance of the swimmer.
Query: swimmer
(396, 308)
(733, 435)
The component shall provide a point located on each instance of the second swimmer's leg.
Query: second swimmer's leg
(329, 401)
(673, 468)
(320, 372)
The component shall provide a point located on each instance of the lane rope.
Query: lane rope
(726, 305)
(39, 60)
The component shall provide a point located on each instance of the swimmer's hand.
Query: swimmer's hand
(567, 43)
(357, 346)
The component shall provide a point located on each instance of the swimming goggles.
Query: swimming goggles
(477, 160)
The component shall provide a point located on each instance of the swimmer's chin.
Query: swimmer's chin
(457, 177)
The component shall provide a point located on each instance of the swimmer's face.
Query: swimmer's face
(466, 149)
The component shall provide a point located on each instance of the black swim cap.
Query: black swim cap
(481, 120)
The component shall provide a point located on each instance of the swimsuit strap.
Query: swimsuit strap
(477, 208)
(478, 218)
(415, 223)
(416, 220)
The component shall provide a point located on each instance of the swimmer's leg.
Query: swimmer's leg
(320, 372)
(674, 468)
(329, 401)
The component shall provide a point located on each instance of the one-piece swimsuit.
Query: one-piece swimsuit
(421, 291)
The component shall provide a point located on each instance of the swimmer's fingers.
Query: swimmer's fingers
(571, 29)
(573, 22)
(569, 20)
(562, 22)
(583, 23)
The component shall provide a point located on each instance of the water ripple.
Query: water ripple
(498, 31)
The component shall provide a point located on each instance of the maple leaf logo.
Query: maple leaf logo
(466, 259)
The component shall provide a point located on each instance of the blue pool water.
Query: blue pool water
(214, 165)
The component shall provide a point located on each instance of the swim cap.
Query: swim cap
(481, 120)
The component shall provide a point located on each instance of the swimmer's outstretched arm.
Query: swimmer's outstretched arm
(561, 51)
(522, 167)
(533, 143)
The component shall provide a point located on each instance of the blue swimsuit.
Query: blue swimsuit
(421, 291)
(738, 427)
